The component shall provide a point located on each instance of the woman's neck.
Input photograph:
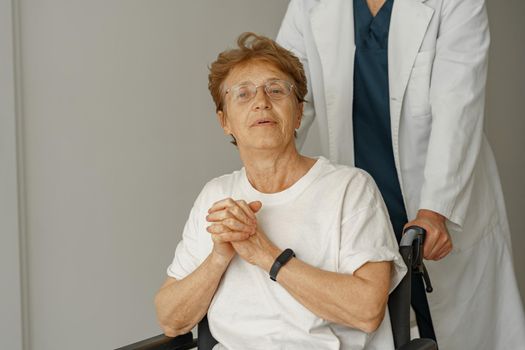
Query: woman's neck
(271, 172)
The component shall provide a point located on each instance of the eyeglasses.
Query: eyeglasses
(274, 89)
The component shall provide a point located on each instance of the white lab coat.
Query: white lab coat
(437, 63)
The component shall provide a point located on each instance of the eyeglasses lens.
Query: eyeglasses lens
(275, 89)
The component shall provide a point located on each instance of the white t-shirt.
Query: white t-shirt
(333, 218)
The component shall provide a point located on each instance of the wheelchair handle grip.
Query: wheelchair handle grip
(412, 233)
(411, 249)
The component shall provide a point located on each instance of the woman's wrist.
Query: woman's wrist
(268, 258)
(219, 260)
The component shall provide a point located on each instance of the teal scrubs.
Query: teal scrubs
(372, 132)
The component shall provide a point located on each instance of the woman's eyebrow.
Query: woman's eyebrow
(251, 82)
(272, 79)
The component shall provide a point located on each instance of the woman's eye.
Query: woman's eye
(243, 93)
(276, 89)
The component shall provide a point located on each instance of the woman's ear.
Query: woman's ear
(300, 108)
(223, 120)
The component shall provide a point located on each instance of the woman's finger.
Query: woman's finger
(229, 208)
(232, 236)
(235, 225)
(222, 204)
(247, 210)
(232, 224)
(229, 213)
(225, 218)
(240, 214)
(218, 216)
(255, 206)
(217, 228)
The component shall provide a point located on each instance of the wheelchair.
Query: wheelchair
(410, 248)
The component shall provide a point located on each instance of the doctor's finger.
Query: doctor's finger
(437, 254)
(442, 247)
(444, 250)
(429, 247)
(431, 256)
(443, 242)
(444, 253)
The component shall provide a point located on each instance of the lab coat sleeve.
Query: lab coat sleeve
(291, 36)
(457, 94)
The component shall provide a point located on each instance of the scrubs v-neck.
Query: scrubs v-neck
(372, 131)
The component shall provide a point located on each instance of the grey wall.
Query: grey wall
(116, 137)
(505, 121)
(10, 267)
(119, 136)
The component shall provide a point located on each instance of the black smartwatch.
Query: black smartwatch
(281, 260)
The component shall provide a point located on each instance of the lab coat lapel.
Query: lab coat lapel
(408, 24)
(333, 31)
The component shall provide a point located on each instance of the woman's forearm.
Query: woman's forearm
(358, 301)
(181, 304)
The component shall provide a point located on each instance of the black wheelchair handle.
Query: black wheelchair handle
(412, 233)
(411, 244)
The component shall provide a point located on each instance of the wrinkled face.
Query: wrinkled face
(261, 122)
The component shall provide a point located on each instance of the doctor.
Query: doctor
(397, 87)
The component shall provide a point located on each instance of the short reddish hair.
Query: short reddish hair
(253, 47)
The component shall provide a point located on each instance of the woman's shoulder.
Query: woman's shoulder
(219, 187)
(224, 182)
(355, 182)
(346, 173)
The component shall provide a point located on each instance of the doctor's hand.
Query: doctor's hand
(438, 242)
(231, 221)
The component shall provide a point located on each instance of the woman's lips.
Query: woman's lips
(264, 122)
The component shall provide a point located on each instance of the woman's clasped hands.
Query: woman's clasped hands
(234, 230)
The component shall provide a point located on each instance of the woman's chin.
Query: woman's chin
(268, 144)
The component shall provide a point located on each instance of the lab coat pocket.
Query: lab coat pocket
(417, 102)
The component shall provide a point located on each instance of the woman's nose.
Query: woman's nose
(261, 99)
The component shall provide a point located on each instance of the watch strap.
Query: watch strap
(281, 260)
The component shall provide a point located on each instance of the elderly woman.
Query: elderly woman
(289, 252)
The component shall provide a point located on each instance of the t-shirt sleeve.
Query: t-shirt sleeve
(188, 254)
(366, 231)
